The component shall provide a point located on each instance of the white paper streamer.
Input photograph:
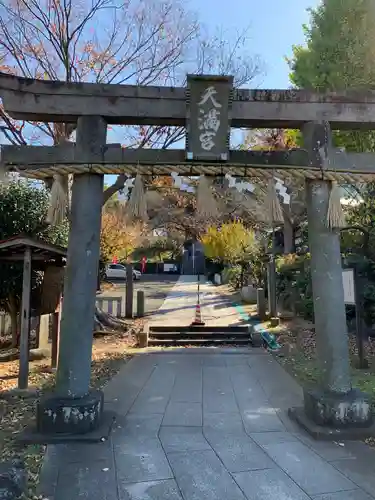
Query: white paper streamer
(240, 186)
(183, 183)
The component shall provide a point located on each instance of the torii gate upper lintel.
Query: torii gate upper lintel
(54, 101)
(208, 108)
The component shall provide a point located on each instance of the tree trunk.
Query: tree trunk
(105, 322)
(288, 231)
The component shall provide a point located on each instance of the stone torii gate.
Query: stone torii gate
(208, 107)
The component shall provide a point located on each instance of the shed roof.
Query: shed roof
(14, 248)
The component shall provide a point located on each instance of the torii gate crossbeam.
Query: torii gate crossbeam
(53, 101)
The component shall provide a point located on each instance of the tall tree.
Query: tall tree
(145, 42)
(339, 55)
(231, 243)
(118, 237)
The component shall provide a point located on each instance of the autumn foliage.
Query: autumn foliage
(119, 237)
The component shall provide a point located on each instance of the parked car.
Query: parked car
(118, 271)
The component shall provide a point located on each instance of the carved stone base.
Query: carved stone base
(324, 433)
(329, 416)
(338, 410)
(70, 415)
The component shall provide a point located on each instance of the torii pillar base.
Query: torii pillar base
(56, 415)
(329, 416)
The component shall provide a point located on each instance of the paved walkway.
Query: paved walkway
(179, 306)
(207, 424)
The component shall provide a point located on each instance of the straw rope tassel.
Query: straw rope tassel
(206, 203)
(335, 213)
(137, 204)
(273, 207)
(58, 200)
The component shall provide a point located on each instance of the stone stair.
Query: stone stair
(200, 335)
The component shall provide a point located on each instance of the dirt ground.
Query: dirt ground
(298, 356)
(110, 352)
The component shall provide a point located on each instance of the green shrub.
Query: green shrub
(293, 284)
(236, 277)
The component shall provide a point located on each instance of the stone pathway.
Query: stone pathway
(206, 424)
(179, 307)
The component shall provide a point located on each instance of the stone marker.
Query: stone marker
(261, 304)
(129, 294)
(140, 303)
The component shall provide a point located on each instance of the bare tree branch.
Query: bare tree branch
(139, 42)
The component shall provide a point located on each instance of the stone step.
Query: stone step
(193, 335)
(199, 342)
(226, 329)
(199, 335)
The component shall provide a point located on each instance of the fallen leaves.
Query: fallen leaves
(109, 354)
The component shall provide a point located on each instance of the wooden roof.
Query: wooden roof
(14, 248)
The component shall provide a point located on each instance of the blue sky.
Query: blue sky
(275, 25)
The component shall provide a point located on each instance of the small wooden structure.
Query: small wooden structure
(30, 251)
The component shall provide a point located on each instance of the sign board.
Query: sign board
(208, 106)
(349, 286)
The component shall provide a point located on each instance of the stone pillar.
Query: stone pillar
(271, 280)
(333, 404)
(129, 294)
(140, 304)
(74, 409)
(23, 375)
(328, 293)
(261, 304)
(43, 333)
(55, 339)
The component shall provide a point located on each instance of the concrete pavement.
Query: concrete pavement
(155, 286)
(206, 424)
(178, 309)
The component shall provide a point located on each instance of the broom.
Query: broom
(206, 203)
(58, 200)
(335, 213)
(137, 204)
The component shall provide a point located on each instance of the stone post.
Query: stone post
(129, 294)
(140, 304)
(271, 285)
(43, 334)
(333, 403)
(261, 304)
(74, 409)
(23, 375)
